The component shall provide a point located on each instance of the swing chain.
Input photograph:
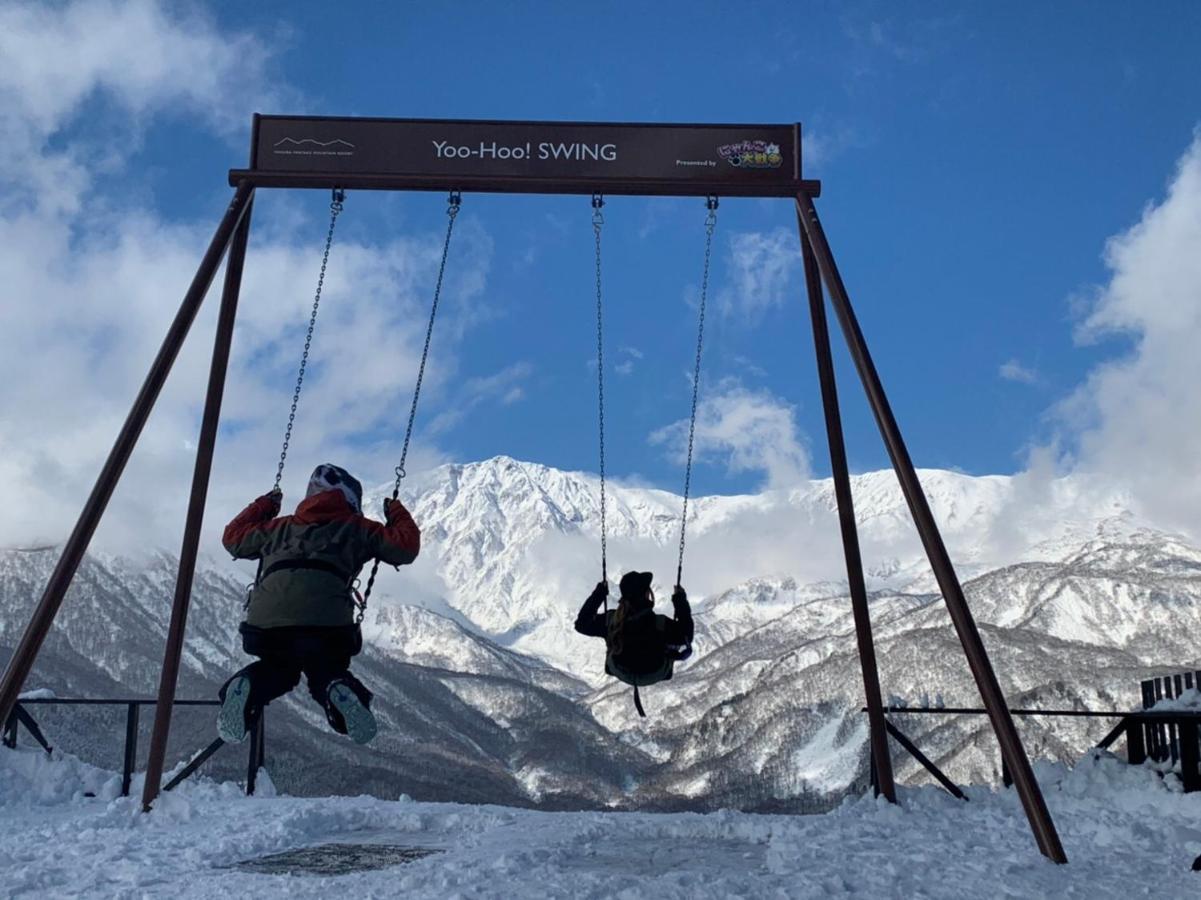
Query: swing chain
(452, 211)
(598, 220)
(335, 207)
(710, 226)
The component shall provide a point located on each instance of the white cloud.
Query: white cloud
(1137, 417)
(140, 59)
(505, 387)
(627, 360)
(93, 277)
(751, 430)
(762, 272)
(1013, 370)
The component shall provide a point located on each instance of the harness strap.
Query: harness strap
(638, 703)
(319, 565)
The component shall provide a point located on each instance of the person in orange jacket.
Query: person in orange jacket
(301, 610)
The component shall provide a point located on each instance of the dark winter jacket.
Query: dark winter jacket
(326, 533)
(643, 642)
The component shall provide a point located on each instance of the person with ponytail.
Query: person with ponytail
(642, 646)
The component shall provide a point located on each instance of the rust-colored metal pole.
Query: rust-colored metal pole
(77, 544)
(940, 561)
(882, 761)
(195, 517)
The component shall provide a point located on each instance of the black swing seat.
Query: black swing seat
(645, 658)
(662, 670)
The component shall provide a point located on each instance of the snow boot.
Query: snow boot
(359, 720)
(231, 720)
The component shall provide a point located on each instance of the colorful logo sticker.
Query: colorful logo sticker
(752, 155)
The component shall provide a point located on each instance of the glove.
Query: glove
(679, 596)
(600, 592)
(274, 500)
(393, 509)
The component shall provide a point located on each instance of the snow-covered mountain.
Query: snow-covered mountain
(487, 693)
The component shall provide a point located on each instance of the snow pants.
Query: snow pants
(321, 654)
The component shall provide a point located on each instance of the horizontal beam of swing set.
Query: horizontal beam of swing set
(494, 185)
(476, 156)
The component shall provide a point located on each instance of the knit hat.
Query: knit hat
(327, 477)
(635, 584)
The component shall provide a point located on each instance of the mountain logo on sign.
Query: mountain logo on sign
(313, 147)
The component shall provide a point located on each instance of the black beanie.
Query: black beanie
(635, 584)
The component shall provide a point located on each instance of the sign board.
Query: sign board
(714, 155)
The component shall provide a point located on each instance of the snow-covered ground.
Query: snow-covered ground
(1127, 832)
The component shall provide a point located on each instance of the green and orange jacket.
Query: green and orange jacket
(329, 536)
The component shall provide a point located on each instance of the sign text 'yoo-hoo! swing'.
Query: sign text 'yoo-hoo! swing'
(750, 156)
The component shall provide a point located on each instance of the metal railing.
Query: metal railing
(1141, 730)
(22, 717)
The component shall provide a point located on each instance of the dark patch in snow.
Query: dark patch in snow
(334, 859)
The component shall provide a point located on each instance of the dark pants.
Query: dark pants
(322, 655)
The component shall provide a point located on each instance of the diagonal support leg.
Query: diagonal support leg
(77, 544)
(882, 781)
(195, 763)
(195, 516)
(31, 725)
(1012, 750)
(911, 748)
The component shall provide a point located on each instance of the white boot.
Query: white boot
(360, 723)
(231, 720)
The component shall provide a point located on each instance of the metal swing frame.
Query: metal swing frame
(536, 158)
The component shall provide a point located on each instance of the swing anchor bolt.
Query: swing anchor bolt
(453, 202)
(338, 197)
(711, 202)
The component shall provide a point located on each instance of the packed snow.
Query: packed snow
(1188, 701)
(1127, 831)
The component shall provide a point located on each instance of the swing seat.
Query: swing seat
(646, 656)
(639, 678)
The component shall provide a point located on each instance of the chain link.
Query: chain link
(452, 212)
(598, 221)
(335, 208)
(710, 225)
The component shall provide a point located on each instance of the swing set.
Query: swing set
(588, 159)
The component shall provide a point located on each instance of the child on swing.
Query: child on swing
(301, 612)
(642, 646)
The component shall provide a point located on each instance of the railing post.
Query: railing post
(1136, 742)
(1189, 753)
(256, 752)
(131, 747)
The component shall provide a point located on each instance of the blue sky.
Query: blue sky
(975, 159)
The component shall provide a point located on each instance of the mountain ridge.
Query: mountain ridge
(472, 653)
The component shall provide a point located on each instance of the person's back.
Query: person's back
(642, 646)
(301, 610)
(307, 561)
